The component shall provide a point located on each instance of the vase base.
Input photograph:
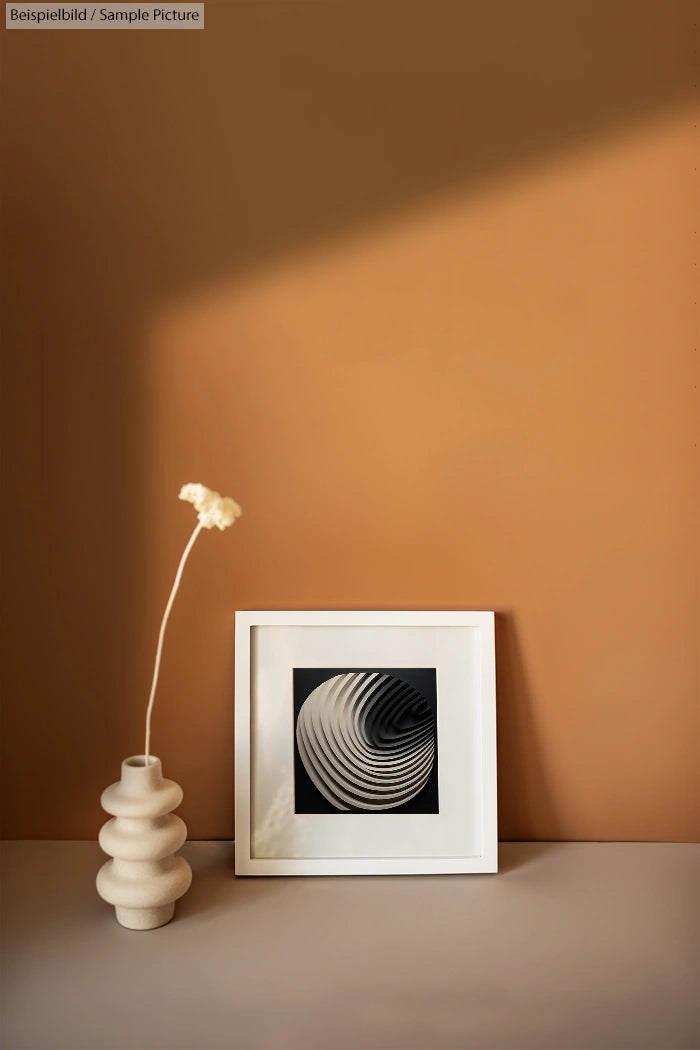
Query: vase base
(145, 918)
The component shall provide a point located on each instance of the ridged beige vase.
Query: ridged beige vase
(144, 878)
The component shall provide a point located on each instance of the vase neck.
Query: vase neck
(138, 776)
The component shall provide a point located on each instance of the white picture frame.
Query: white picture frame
(448, 661)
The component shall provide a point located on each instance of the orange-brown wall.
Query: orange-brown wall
(414, 282)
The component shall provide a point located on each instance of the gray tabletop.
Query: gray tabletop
(572, 946)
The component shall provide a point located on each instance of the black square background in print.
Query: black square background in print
(377, 749)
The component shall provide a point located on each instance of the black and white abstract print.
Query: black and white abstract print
(365, 740)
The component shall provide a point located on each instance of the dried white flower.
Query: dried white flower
(212, 508)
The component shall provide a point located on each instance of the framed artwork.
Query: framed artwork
(365, 743)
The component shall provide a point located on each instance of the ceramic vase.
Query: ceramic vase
(145, 877)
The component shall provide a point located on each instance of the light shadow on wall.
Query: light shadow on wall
(146, 166)
(526, 804)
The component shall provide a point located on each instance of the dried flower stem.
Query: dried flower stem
(159, 650)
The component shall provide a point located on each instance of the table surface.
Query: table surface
(572, 946)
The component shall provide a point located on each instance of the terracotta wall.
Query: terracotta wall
(414, 282)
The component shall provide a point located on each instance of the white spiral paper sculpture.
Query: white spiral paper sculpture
(366, 740)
